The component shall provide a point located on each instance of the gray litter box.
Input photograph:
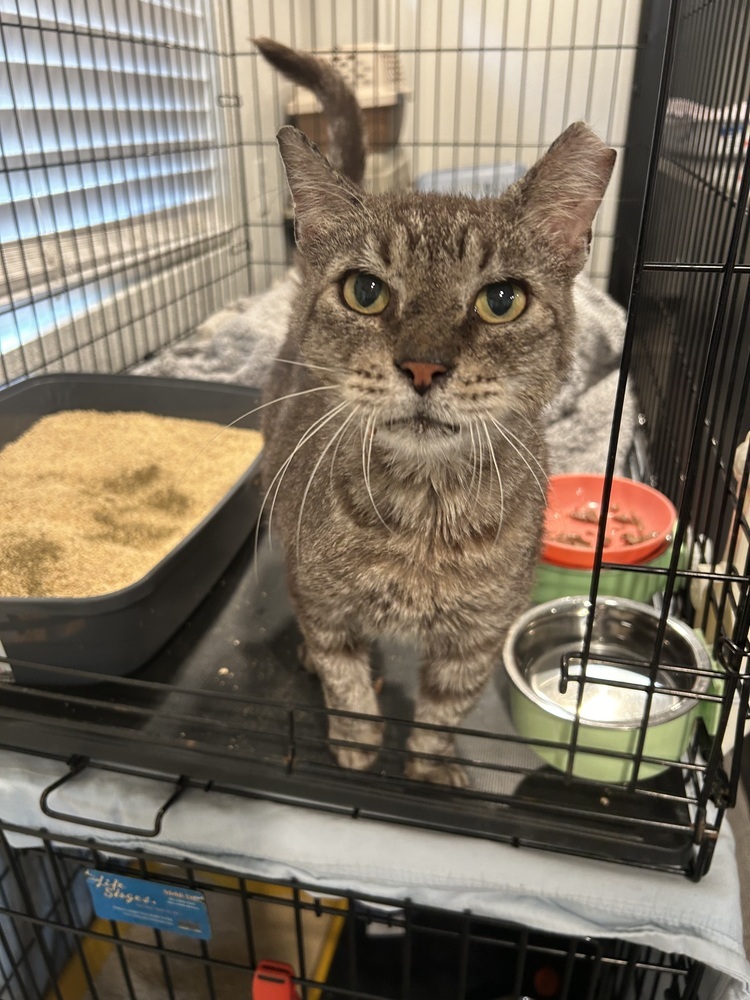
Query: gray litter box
(117, 633)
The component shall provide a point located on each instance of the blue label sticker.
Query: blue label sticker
(150, 904)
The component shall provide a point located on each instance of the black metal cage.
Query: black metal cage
(143, 194)
(140, 195)
(270, 938)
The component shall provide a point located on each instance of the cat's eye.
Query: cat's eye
(501, 302)
(364, 293)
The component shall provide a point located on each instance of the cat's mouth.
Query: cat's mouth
(418, 423)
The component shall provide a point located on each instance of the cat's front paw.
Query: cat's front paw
(361, 731)
(437, 772)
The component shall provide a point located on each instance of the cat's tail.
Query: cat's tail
(346, 134)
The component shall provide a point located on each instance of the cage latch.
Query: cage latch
(565, 669)
(730, 654)
(274, 981)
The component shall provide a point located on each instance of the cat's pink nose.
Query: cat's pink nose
(421, 373)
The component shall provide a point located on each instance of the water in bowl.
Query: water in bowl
(604, 701)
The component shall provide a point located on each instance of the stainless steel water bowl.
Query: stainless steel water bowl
(610, 703)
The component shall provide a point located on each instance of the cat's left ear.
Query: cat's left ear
(322, 198)
(561, 193)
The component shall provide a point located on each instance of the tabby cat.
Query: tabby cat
(405, 461)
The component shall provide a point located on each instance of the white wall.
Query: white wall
(491, 81)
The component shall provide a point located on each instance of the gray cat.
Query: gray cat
(405, 461)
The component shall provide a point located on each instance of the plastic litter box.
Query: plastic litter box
(119, 632)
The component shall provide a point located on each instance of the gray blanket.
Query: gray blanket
(239, 343)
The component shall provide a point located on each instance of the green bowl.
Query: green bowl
(613, 701)
(553, 581)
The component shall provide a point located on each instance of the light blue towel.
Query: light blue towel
(541, 890)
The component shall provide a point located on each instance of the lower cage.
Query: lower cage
(53, 943)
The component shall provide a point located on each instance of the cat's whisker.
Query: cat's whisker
(499, 480)
(481, 461)
(524, 446)
(322, 455)
(243, 416)
(335, 453)
(534, 434)
(508, 435)
(310, 432)
(307, 364)
(366, 462)
(473, 456)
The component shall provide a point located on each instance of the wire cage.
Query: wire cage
(284, 939)
(143, 197)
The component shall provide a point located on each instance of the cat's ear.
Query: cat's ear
(562, 192)
(322, 198)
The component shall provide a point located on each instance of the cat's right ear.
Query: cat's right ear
(562, 192)
(321, 197)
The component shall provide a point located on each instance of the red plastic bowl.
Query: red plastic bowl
(640, 521)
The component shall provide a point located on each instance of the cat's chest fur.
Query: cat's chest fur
(402, 544)
(413, 586)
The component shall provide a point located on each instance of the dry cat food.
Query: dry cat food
(92, 501)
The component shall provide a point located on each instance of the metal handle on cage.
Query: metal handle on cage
(77, 766)
(576, 658)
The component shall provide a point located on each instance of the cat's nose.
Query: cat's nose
(421, 373)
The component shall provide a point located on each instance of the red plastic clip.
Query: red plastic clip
(274, 981)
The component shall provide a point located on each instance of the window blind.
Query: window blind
(109, 152)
